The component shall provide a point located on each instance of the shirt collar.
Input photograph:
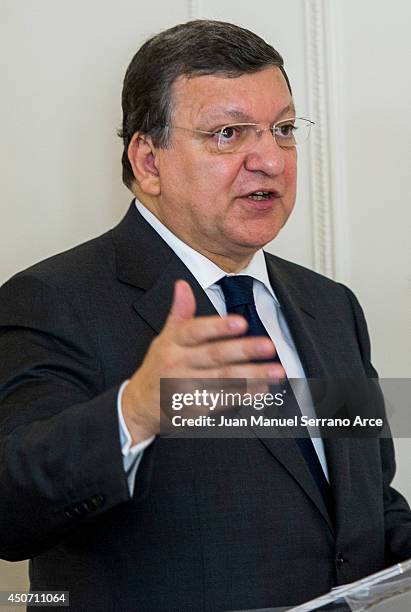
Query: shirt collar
(205, 271)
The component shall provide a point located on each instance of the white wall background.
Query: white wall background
(61, 69)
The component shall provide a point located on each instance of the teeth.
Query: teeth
(259, 195)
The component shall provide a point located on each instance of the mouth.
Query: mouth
(259, 196)
(261, 200)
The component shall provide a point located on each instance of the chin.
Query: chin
(255, 239)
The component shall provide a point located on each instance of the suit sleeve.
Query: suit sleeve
(60, 452)
(397, 514)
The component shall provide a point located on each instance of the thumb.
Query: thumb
(183, 306)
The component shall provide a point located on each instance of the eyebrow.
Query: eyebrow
(238, 115)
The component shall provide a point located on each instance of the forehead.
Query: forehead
(259, 96)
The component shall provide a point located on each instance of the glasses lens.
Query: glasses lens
(291, 132)
(232, 138)
(242, 137)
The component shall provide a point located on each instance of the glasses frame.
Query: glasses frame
(258, 130)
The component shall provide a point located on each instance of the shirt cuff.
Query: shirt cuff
(125, 437)
(132, 455)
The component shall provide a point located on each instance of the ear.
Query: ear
(142, 156)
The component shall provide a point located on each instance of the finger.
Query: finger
(272, 372)
(201, 330)
(226, 352)
(183, 305)
(255, 386)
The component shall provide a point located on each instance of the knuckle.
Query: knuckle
(250, 348)
(190, 332)
(215, 354)
(169, 359)
(260, 371)
(225, 372)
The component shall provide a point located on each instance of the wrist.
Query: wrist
(136, 421)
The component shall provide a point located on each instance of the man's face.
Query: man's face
(204, 196)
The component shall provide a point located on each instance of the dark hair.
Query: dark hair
(195, 48)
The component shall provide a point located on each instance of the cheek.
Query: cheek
(292, 164)
(290, 174)
(214, 176)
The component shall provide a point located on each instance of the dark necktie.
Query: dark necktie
(239, 299)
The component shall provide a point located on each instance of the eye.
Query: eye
(229, 134)
(285, 130)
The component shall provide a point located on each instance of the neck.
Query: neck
(227, 263)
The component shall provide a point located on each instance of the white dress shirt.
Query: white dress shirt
(268, 308)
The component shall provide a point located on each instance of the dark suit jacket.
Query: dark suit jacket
(213, 524)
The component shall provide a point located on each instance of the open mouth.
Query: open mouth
(258, 196)
(261, 200)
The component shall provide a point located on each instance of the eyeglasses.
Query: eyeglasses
(242, 137)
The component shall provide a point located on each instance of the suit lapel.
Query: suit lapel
(302, 318)
(161, 294)
(135, 242)
(308, 327)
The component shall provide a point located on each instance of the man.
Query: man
(106, 508)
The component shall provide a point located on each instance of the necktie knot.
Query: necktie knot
(238, 291)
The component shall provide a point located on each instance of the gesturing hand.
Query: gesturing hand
(193, 347)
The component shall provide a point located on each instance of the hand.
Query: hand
(193, 347)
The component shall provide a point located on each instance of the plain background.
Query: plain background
(61, 68)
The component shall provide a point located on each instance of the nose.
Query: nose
(266, 156)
